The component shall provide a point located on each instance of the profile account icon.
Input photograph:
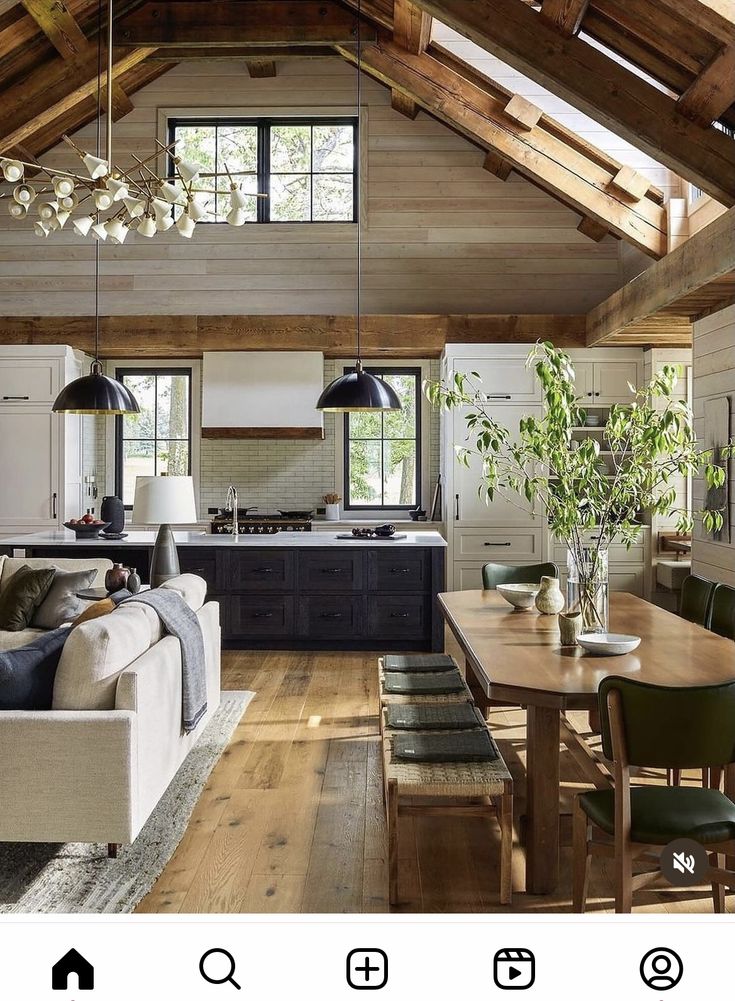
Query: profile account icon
(72, 963)
(661, 969)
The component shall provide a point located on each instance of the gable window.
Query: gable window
(157, 440)
(306, 166)
(382, 451)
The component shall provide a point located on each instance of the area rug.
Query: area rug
(80, 879)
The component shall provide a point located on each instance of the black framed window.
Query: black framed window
(382, 451)
(157, 440)
(306, 166)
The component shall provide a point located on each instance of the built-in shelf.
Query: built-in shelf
(284, 434)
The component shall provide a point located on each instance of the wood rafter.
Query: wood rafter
(411, 27)
(261, 68)
(566, 15)
(697, 277)
(713, 91)
(254, 53)
(597, 85)
(480, 116)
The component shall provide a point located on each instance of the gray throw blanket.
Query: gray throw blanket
(179, 620)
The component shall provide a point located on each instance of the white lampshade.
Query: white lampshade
(95, 166)
(118, 188)
(12, 170)
(196, 209)
(164, 500)
(102, 198)
(147, 227)
(171, 192)
(63, 186)
(24, 193)
(135, 206)
(116, 230)
(17, 210)
(48, 210)
(236, 217)
(187, 169)
(238, 200)
(186, 225)
(83, 224)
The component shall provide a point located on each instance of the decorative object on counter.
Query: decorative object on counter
(651, 443)
(164, 501)
(86, 527)
(116, 578)
(134, 581)
(417, 514)
(608, 644)
(112, 510)
(570, 628)
(520, 596)
(379, 532)
(331, 506)
(550, 600)
(113, 536)
(385, 531)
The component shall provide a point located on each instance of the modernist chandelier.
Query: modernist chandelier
(108, 202)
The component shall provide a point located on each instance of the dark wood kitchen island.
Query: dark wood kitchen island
(294, 590)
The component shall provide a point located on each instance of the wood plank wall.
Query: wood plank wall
(714, 376)
(442, 235)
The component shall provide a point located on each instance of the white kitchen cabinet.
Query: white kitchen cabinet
(606, 382)
(502, 379)
(29, 380)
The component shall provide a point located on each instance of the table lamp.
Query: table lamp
(164, 501)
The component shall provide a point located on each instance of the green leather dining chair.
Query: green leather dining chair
(530, 573)
(695, 603)
(651, 726)
(722, 615)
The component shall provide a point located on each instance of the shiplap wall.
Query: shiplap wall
(441, 233)
(714, 376)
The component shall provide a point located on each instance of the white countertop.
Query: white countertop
(282, 540)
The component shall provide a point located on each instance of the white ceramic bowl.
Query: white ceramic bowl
(519, 595)
(608, 644)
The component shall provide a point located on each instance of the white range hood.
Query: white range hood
(262, 394)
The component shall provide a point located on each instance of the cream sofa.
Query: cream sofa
(93, 768)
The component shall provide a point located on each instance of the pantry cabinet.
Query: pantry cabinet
(606, 382)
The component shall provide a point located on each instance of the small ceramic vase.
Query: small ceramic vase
(133, 584)
(331, 512)
(116, 578)
(550, 600)
(570, 628)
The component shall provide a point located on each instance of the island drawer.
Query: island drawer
(260, 615)
(334, 570)
(331, 616)
(399, 570)
(256, 570)
(193, 560)
(396, 616)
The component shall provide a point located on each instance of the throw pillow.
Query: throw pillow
(102, 607)
(61, 603)
(22, 595)
(27, 674)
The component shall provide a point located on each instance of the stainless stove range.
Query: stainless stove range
(251, 521)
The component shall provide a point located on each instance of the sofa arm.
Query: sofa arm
(68, 776)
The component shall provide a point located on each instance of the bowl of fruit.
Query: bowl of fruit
(87, 527)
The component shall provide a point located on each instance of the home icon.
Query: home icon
(72, 962)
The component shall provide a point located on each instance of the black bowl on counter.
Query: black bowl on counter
(83, 531)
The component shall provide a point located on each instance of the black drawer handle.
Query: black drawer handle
(263, 570)
(496, 543)
(262, 615)
(399, 615)
(332, 570)
(16, 397)
(400, 570)
(331, 615)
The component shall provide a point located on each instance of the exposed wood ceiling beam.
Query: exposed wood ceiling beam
(222, 22)
(708, 256)
(713, 91)
(389, 335)
(188, 53)
(478, 115)
(411, 27)
(261, 68)
(53, 90)
(598, 85)
(566, 15)
(403, 104)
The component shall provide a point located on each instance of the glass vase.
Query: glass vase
(588, 588)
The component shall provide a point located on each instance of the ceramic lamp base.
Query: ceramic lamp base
(165, 559)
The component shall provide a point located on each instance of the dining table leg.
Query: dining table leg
(542, 799)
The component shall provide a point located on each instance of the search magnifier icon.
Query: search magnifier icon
(218, 969)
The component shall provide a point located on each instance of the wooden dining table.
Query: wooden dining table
(516, 657)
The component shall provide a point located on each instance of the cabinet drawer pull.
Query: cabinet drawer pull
(54, 497)
(399, 615)
(262, 615)
(498, 396)
(332, 569)
(330, 615)
(456, 507)
(16, 397)
(263, 570)
(400, 570)
(496, 543)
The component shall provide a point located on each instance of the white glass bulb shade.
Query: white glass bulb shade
(188, 169)
(82, 225)
(102, 198)
(54, 224)
(63, 186)
(196, 210)
(12, 170)
(96, 167)
(98, 231)
(186, 225)
(236, 217)
(164, 223)
(41, 229)
(68, 202)
(62, 217)
(48, 210)
(237, 198)
(17, 210)
(135, 206)
(164, 500)
(172, 193)
(160, 207)
(116, 230)
(24, 193)
(119, 189)
(147, 227)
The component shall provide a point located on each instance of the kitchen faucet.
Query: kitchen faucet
(231, 505)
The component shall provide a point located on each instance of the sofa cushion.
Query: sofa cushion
(11, 641)
(22, 595)
(61, 603)
(193, 589)
(27, 674)
(98, 651)
(12, 563)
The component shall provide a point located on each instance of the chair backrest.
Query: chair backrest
(531, 573)
(672, 727)
(722, 616)
(696, 600)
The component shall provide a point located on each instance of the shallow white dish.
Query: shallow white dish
(608, 644)
(519, 595)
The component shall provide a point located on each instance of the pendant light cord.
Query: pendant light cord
(99, 149)
(359, 179)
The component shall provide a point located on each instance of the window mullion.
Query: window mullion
(264, 170)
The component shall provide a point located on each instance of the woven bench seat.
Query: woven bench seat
(386, 697)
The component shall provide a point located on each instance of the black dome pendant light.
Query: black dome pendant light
(97, 393)
(359, 390)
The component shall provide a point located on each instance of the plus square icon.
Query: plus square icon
(367, 969)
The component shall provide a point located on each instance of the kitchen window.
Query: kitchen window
(157, 441)
(306, 166)
(382, 451)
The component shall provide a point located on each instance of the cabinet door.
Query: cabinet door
(29, 461)
(507, 380)
(584, 380)
(29, 380)
(611, 380)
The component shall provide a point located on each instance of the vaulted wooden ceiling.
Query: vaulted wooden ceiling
(48, 70)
